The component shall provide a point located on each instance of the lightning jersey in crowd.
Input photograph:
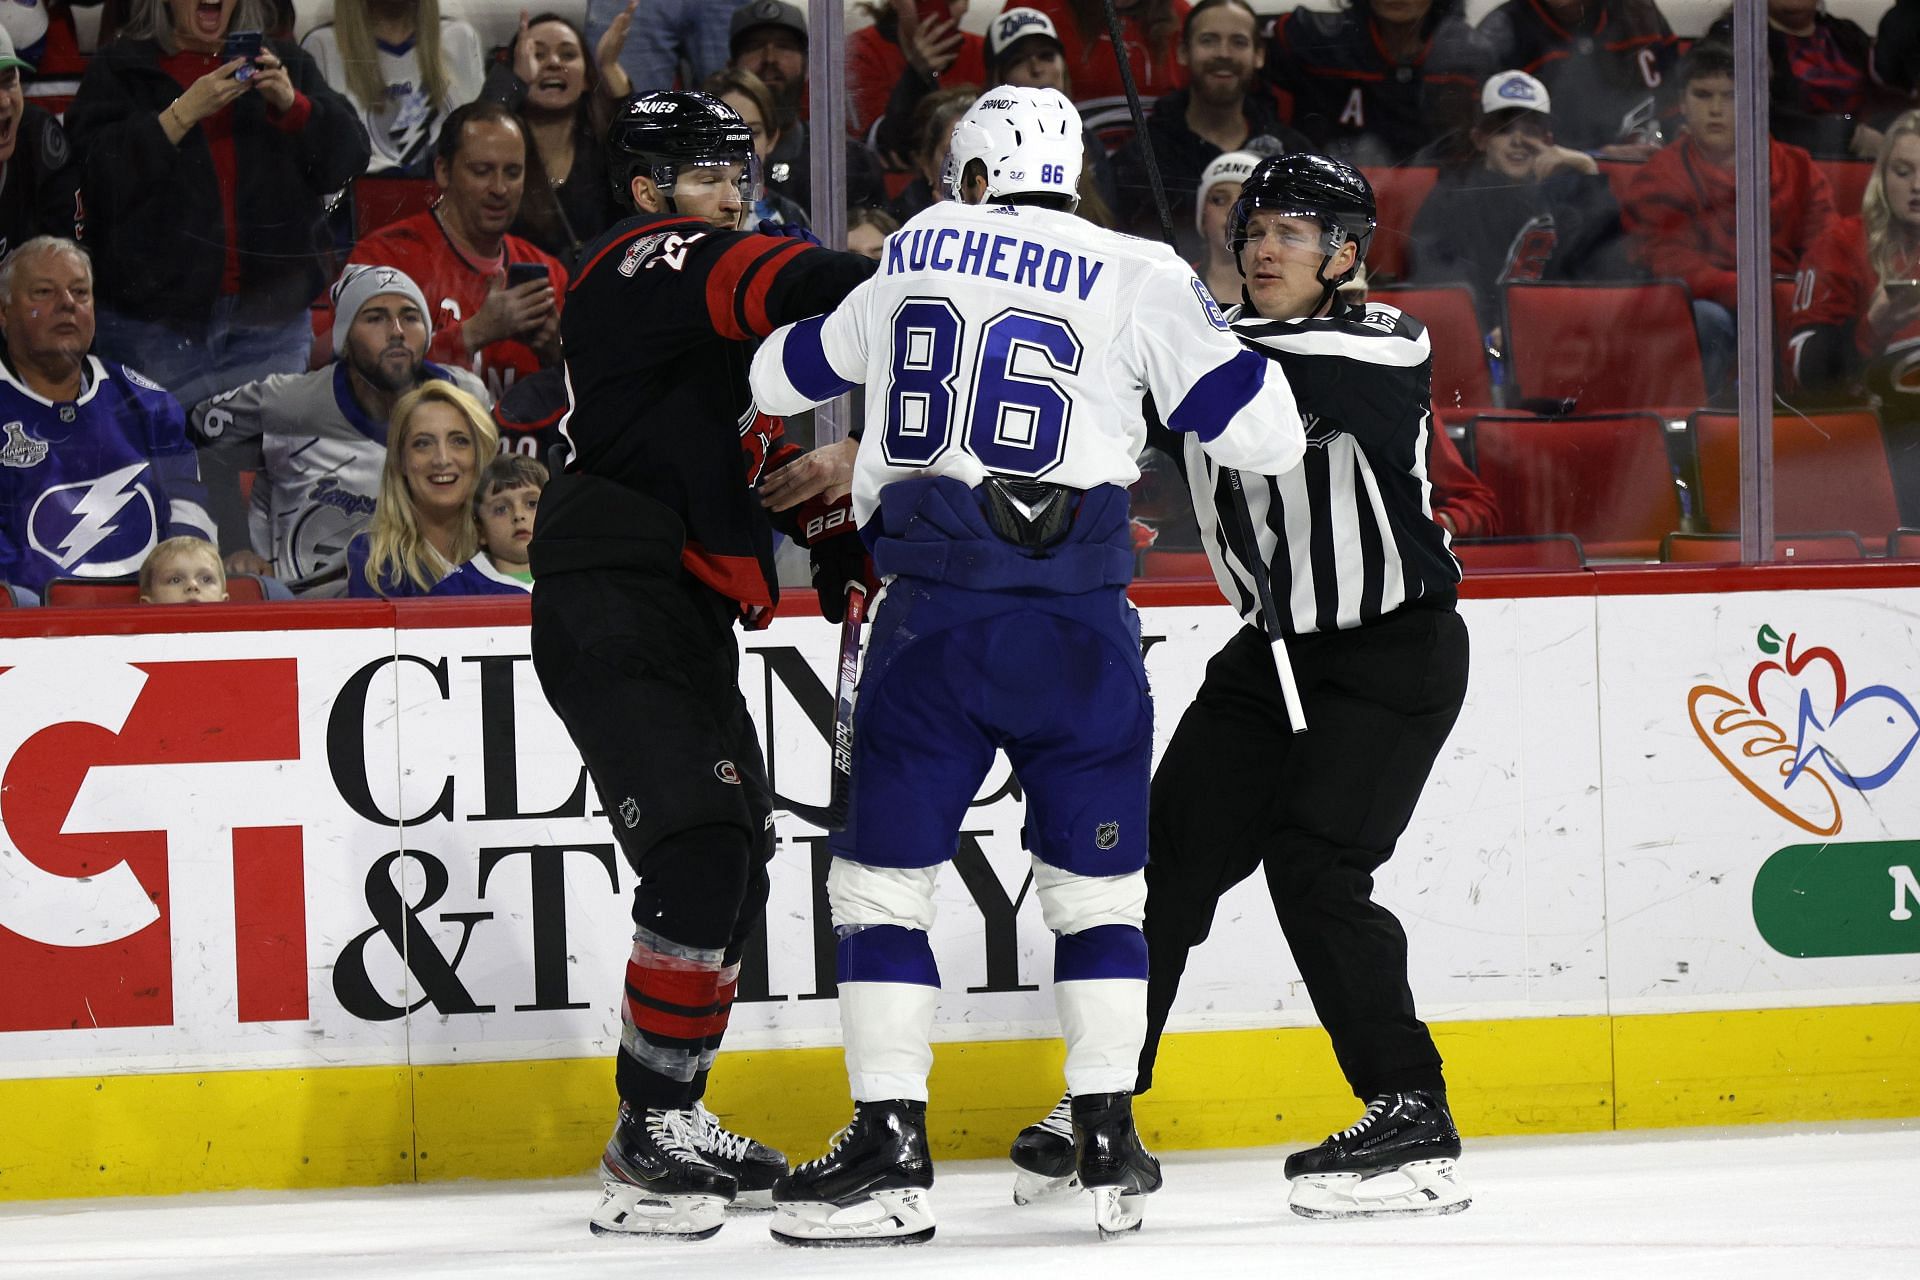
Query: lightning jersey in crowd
(404, 124)
(318, 457)
(1349, 534)
(1020, 340)
(89, 486)
(666, 443)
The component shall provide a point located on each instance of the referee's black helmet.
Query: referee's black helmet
(655, 135)
(1303, 185)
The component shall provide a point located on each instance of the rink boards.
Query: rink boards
(309, 895)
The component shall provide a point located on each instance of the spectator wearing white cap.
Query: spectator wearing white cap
(39, 182)
(1608, 63)
(317, 440)
(1522, 209)
(1220, 184)
(1223, 105)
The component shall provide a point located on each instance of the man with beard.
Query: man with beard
(39, 183)
(318, 440)
(1221, 108)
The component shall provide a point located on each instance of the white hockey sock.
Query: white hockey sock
(887, 1028)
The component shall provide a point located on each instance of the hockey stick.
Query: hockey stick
(834, 816)
(1242, 514)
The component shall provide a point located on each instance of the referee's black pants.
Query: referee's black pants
(1319, 812)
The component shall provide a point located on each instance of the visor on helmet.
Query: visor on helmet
(1327, 242)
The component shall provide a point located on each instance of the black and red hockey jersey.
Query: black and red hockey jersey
(1608, 71)
(666, 444)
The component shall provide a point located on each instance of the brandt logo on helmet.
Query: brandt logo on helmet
(630, 812)
(1106, 835)
(997, 104)
(726, 772)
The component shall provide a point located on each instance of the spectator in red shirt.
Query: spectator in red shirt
(900, 59)
(204, 194)
(1151, 30)
(1856, 299)
(486, 319)
(1679, 212)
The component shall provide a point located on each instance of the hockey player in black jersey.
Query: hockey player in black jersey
(647, 550)
(1366, 588)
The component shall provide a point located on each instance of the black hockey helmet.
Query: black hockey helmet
(657, 134)
(1303, 185)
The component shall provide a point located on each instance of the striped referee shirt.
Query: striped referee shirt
(1349, 534)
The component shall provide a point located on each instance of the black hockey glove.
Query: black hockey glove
(838, 561)
(788, 231)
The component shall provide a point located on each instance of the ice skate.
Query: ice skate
(1399, 1160)
(871, 1188)
(656, 1183)
(1042, 1157)
(1111, 1162)
(754, 1166)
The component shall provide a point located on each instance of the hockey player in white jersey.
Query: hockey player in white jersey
(1006, 347)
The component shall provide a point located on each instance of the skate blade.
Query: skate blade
(903, 1216)
(1117, 1211)
(1032, 1188)
(752, 1201)
(626, 1210)
(1420, 1189)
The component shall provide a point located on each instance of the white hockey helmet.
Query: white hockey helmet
(1029, 141)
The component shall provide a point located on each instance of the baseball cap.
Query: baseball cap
(1015, 25)
(8, 58)
(764, 13)
(1514, 91)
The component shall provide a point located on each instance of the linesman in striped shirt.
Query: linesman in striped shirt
(1365, 585)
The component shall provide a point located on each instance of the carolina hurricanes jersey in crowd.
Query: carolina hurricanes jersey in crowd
(1020, 340)
(456, 287)
(1607, 70)
(318, 456)
(89, 486)
(666, 443)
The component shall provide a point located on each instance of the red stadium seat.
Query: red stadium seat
(1724, 548)
(7, 599)
(245, 588)
(1604, 478)
(1903, 544)
(1547, 552)
(1460, 378)
(1177, 565)
(380, 201)
(1397, 195)
(1604, 347)
(93, 591)
(1848, 178)
(1829, 471)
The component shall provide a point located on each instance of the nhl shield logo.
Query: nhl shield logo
(630, 812)
(1106, 835)
(21, 450)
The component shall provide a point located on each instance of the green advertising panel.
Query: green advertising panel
(1835, 899)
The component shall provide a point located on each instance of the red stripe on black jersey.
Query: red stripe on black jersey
(736, 577)
(737, 285)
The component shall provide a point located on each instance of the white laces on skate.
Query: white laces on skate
(677, 1133)
(1374, 1111)
(1060, 1119)
(712, 1136)
(833, 1148)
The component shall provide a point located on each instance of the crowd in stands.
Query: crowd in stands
(222, 365)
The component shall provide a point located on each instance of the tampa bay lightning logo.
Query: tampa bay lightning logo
(105, 526)
(1214, 315)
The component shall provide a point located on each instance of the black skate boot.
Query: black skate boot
(753, 1165)
(1042, 1156)
(871, 1188)
(1398, 1160)
(1111, 1161)
(657, 1184)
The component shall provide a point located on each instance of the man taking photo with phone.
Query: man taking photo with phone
(495, 298)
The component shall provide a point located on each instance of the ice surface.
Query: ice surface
(1799, 1202)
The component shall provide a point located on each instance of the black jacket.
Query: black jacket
(40, 185)
(1793, 119)
(1613, 66)
(1482, 230)
(154, 217)
(1184, 155)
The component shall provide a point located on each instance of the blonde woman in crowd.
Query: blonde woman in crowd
(404, 67)
(439, 439)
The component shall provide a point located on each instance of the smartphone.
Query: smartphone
(519, 273)
(1902, 291)
(933, 11)
(242, 44)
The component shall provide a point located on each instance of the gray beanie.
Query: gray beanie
(359, 285)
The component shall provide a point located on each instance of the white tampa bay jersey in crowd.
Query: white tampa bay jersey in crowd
(317, 457)
(1020, 341)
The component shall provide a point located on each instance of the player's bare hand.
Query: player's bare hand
(827, 470)
(271, 81)
(606, 54)
(248, 562)
(211, 94)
